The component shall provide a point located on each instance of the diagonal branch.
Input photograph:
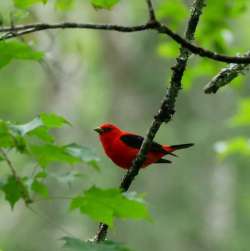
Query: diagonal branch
(17, 31)
(166, 110)
(199, 50)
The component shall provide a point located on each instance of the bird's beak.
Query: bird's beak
(98, 130)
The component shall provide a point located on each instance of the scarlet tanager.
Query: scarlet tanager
(122, 147)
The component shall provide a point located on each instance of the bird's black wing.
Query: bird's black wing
(135, 141)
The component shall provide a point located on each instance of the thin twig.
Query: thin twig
(31, 28)
(12, 32)
(165, 112)
(25, 194)
(151, 11)
(6, 158)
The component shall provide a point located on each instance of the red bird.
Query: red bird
(122, 147)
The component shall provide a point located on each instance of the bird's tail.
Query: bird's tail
(181, 146)
(171, 149)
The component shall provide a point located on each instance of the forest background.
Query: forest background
(202, 200)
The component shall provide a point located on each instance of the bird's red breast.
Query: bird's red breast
(122, 147)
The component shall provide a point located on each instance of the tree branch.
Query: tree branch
(17, 31)
(201, 51)
(151, 11)
(9, 163)
(226, 76)
(165, 112)
(25, 194)
(31, 28)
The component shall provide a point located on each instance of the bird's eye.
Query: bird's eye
(107, 129)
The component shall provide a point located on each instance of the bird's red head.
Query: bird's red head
(107, 129)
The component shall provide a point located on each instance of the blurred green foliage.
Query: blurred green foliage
(91, 77)
(236, 146)
(64, 5)
(239, 146)
(242, 117)
(27, 3)
(104, 4)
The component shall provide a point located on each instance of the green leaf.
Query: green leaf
(40, 188)
(70, 154)
(43, 134)
(75, 244)
(51, 153)
(24, 4)
(84, 153)
(17, 50)
(64, 5)
(104, 4)
(13, 190)
(40, 126)
(26, 128)
(48, 120)
(242, 118)
(52, 120)
(6, 139)
(106, 204)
